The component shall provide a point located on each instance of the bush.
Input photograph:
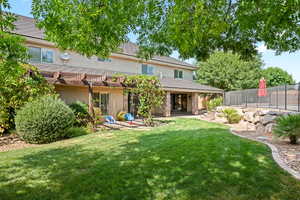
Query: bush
(81, 112)
(121, 116)
(288, 126)
(75, 132)
(232, 115)
(44, 120)
(99, 119)
(213, 103)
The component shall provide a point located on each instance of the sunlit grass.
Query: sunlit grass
(187, 159)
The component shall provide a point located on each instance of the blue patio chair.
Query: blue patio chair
(110, 119)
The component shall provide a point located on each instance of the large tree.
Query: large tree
(195, 28)
(276, 76)
(19, 81)
(229, 72)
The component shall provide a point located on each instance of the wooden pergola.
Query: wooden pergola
(83, 79)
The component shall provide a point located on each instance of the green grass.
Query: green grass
(187, 159)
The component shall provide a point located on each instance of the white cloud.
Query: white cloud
(261, 48)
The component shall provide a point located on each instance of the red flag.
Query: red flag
(262, 91)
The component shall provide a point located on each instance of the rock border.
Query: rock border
(275, 155)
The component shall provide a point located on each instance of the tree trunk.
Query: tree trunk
(293, 139)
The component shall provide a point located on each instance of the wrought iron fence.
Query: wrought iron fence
(286, 97)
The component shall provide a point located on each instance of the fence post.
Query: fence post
(277, 91)
(299, 97)
(224, 98)
(285, 97)
(246, 98)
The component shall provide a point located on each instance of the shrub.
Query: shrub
(121, 116)
(232, 115)
(288, 126)
(213, 103)
(75, 132)
(44, 120)
(81, 112)
(99, 119)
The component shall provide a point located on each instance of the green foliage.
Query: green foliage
(276, 76)
(195, 28)
(232, 115)
(19, 81)
(81, 112)
(76, 132)
(98, 119)
(44, 120)
(6, 18)
(228, 71)
(213, 103)
(121, 116)
(288, 126)
(149, 92)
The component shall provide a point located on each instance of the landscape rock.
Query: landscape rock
(267, 119)
(269, 128)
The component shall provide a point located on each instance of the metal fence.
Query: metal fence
(286, 97)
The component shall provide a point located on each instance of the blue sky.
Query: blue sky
(289, 62)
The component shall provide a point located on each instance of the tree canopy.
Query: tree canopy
(20, 82)
(228, 71)
(194, 28)
(276, 76)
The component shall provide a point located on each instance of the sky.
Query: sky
(287, 61)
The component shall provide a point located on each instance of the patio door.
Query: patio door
(179, 103)
(101, 100)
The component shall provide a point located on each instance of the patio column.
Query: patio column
(195, 105)
(167, 105)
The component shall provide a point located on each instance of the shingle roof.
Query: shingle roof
(168, 83)
(25, 26)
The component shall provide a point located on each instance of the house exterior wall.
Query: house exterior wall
(71, 94)
(118, 63)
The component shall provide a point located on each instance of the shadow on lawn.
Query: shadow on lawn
(196, 164)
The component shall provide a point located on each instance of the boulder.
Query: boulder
(269, 128)
(249, 117)
(260, 129)
(267, 119)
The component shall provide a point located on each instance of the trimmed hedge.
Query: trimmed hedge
(44, 120)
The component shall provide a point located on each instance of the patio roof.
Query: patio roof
(71, 75)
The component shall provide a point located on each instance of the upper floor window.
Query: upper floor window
(40, 55)
(194, 75)
(102, 59)
(147, 69)
(178, 74)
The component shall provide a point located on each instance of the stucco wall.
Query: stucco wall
(118, 63)
(70, 94)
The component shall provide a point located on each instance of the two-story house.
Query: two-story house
(69, 72)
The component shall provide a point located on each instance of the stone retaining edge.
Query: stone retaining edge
(275, 155)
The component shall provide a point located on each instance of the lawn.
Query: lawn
(187, 159)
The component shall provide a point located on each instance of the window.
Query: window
(101, 59)
(39, 55)
(178, 74)
(194, 75)
(101, 100)
(147, 69)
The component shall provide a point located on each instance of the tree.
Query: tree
(20, 82)
(195, 28)
(149, 92)
(228, 71)
(276, 76)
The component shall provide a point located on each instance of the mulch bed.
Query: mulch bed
(289, 154)
(11, 142)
